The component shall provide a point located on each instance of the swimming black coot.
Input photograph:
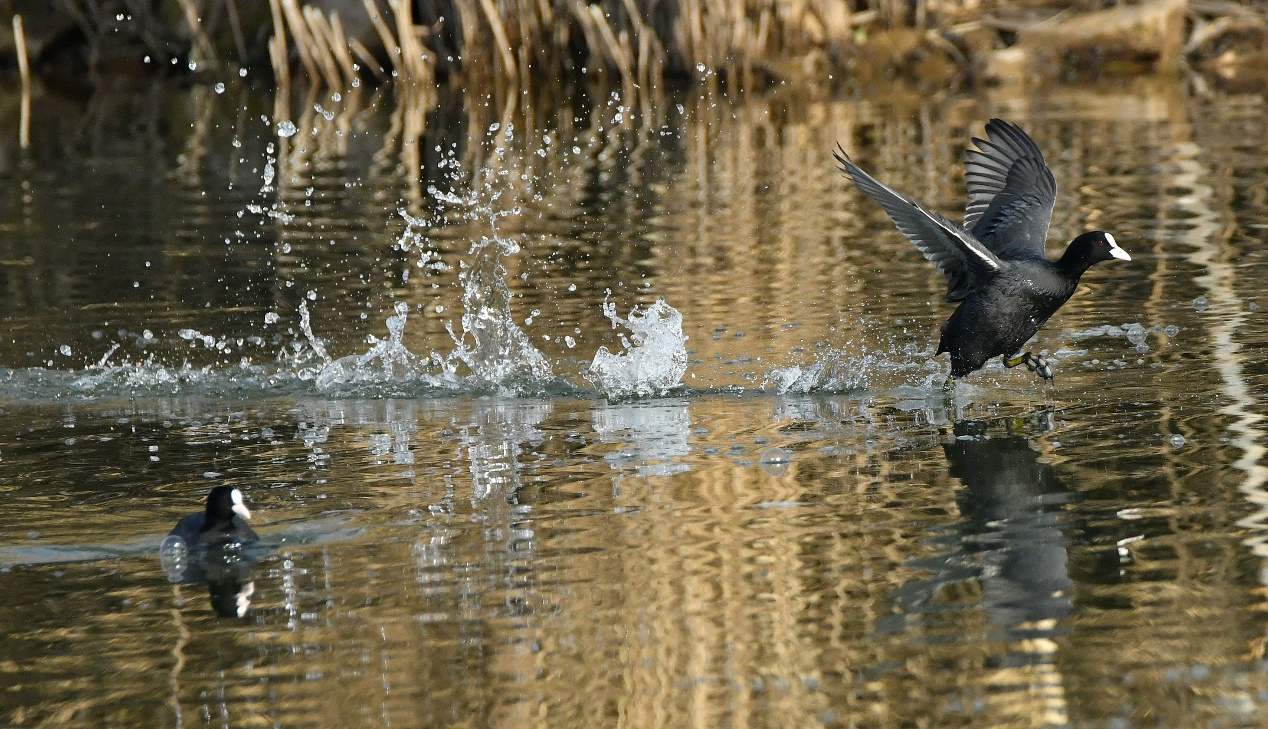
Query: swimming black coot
(995, 264)
(223, 522)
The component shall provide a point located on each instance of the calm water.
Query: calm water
(810, 533)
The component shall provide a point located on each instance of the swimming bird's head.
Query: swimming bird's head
(225, 501)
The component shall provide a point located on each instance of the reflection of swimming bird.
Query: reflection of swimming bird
(995, 264)
(223, 521)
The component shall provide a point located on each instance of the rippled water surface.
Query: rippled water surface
(381, 329)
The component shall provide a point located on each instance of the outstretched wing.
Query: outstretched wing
(1011, 192)
(963, 259)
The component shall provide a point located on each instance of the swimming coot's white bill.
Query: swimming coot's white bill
(995, 264)
(224, 521)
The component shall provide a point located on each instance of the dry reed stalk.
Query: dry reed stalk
(321, 50)
(500, 37)
(299, 31)
(235, 27)
(470, 29)
(364, 55)
(618, 54)
(342, 50)
(385, 36)
(202, 44)
(413, 55)
(277, 57)
(24, 71)
(279, 54)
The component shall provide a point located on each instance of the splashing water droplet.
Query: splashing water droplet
(501, 353)
(286, 128)
(655, 359)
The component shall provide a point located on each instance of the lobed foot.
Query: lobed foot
(1038, 365)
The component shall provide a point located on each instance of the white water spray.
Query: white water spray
(655, 357)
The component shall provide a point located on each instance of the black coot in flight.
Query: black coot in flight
(995, 264)
(223, 522)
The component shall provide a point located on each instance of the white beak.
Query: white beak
(1115, 251)
(240, 508)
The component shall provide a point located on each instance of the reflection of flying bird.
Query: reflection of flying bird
(224, 521)
(1009, 539)
(1010, 506)
(995, 264)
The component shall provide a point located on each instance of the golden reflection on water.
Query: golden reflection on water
(1013, 556)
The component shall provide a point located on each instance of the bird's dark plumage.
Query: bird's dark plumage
(995, 264)
(222, 522)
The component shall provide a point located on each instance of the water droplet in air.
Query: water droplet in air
(286, 128)
(271, 317)
(700, 67)
(1200, 304)
(1178, 441)
(220, 88)
(64, 349)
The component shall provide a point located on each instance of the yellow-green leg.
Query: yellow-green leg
(1038, 365)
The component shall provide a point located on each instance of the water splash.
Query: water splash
(388, 361)
(834, 371)
(174, 557)
(655, 359)
(499, 352)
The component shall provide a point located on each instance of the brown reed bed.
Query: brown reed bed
(641, 44)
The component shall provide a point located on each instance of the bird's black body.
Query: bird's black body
(221, 523)
(995, 264)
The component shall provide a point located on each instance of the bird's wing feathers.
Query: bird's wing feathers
(1011, 192)
(964, 260)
